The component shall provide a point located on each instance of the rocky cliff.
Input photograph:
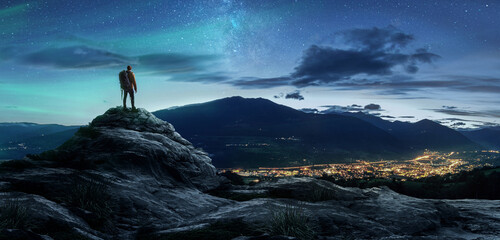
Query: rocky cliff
(129, 175)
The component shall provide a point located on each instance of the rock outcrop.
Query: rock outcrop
(129, 175)
(149, 174)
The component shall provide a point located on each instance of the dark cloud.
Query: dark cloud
(388, 38)
(483, 88)
(372, 52)
(406, 117)
(387, 116)
(253, 82)
(75, 57)
(294, 95)
(402, 87)
(176, 63)
(185, 67)
(458, 124)
(463, 112)
(372, 107)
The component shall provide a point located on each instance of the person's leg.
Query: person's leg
(132, 98)
(125, 99)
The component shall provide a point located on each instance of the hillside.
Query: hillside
(19, 139)
(241, 132)
(424, 134)
(489, 138)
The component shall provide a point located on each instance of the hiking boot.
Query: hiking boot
(134, 109)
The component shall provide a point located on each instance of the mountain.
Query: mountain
(247, 132)
(129, 175)
(424, 134)
(20, 131)
(489, 138)
(19, 139)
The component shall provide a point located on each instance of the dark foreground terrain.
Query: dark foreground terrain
(129, 175)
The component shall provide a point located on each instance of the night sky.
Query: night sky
(403, 60)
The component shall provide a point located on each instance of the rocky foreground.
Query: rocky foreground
(129, 175)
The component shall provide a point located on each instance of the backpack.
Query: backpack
(124, 82)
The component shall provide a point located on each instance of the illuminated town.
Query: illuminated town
(428, 164)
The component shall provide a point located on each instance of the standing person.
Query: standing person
(128, 85)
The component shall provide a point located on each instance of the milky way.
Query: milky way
(60, 59)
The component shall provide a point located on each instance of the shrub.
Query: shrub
(88, 131)
(319, 193)
(13, 215)
(93, 196)
(291, 221)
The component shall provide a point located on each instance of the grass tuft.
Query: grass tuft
(291, 221)
(92, 196)
(13, 215)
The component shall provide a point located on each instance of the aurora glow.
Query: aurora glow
(60, 59)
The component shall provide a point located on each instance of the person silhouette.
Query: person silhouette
(130, 88)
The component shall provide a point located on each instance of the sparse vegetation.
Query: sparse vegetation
(13, 215)
(291, 221)
(319, 193)
(88, 131)
(91, 195)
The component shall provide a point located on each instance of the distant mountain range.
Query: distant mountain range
(424, 134)
(19, 139)
(248, 132)
(487, 137)
(242, 132)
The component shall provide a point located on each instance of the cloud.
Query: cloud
(388, 38)
(338, 108)
(294, 95)
(291, 95)
(406, 117)
(75, 57)
(199, 67)
(372, 107)
(309, 110)
(370, 52)
(458, 124)
(254, 82)
(176, 63)
(373, 51)
(462, 112)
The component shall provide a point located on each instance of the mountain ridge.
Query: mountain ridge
(321, 138)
